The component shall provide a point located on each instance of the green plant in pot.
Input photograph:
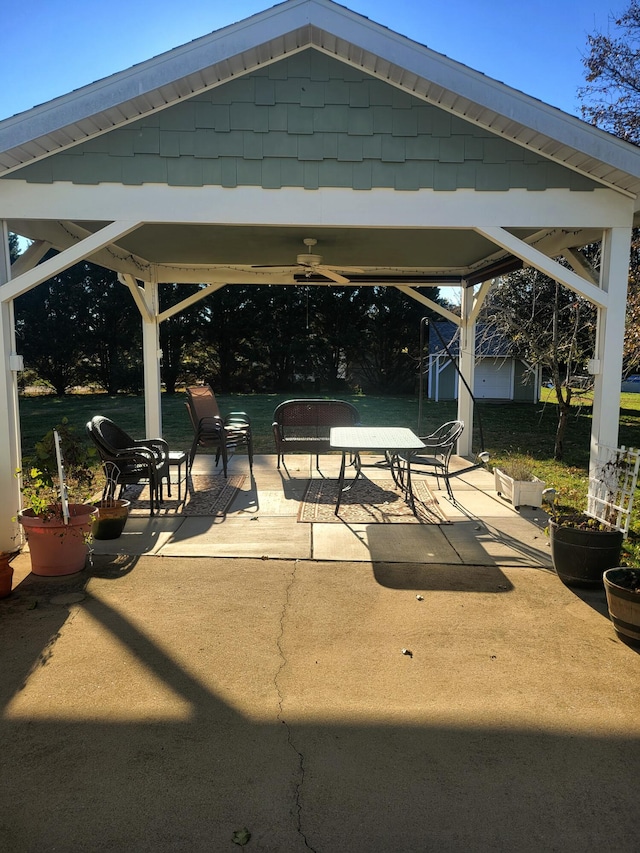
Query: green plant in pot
(57, 519)
(516, 479)
(582, 548)
(585, 545)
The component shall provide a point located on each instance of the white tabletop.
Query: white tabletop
(374, 438)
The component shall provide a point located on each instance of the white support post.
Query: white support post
(151, 354)
(607, 361)
(467, 365)
(10, 458)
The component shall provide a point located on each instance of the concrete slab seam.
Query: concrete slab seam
(301, 769)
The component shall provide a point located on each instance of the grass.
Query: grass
(508, 431)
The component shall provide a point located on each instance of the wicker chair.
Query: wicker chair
(127, 460)
(211, 429)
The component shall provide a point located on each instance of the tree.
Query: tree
(112, 335)
(50, 328)
(388, 337)
(548, 325)
(612, 102)
(177, 332)
(612, 91)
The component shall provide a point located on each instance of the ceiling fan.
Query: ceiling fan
(310, 264)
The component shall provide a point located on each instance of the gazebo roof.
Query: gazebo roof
(296, 25)
(230, 232)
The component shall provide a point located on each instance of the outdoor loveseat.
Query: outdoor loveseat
(303, 426)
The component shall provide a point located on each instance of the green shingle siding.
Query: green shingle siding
(169, 144)
(265, 92)
(280, 145)
(349, 148)
(360, 123)
(179, 117)
(299, 120)
(452, 149)
(309, 121)
(312, 94)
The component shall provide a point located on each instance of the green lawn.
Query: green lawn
(508, 429)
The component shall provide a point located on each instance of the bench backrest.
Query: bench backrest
(314, 417)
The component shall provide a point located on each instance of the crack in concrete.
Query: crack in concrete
(301, 768)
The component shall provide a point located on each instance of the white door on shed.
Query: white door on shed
(493, 379)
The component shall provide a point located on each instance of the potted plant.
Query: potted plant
(585, 545)
(112, 512)
(6, 573)
(516, 480)
(57, 520)
(622, 588)
(582, 548)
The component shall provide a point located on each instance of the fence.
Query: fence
(612, 485)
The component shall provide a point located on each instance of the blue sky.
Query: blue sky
(49, 47)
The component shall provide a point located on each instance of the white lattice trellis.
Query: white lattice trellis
(612, 485)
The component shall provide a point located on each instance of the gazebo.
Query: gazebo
(214, 162)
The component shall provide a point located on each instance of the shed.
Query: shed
(498, 373)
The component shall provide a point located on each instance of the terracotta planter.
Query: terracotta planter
(581, 556)
(57, 548)
(111, 519)
(519, 492)
(6, 575)
(622, 587)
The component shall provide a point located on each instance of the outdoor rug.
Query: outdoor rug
(369, 502)
(205, 495)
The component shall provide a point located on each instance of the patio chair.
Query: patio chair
(127, 460)
(212, 429)
(439, 446)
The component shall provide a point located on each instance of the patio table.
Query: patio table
(397, 443)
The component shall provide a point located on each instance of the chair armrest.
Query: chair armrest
(137, 454)
(211, 421)
(158, 444)
(238, 417)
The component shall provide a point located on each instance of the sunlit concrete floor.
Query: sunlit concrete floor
(262, 522)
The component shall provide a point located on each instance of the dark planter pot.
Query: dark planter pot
(111, 519)
(6, 575)
(581, 556)
(622, 587)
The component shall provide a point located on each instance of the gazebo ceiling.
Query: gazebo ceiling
(446, 255)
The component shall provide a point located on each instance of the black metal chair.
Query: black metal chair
(127, 460)
(439, 446)
(211, 429)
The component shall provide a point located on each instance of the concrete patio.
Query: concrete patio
(262, 522)
(389, 687)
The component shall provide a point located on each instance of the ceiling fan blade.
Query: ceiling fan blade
(328, 272)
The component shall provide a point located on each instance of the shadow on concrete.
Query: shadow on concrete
(425, 577)
(84, 782)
